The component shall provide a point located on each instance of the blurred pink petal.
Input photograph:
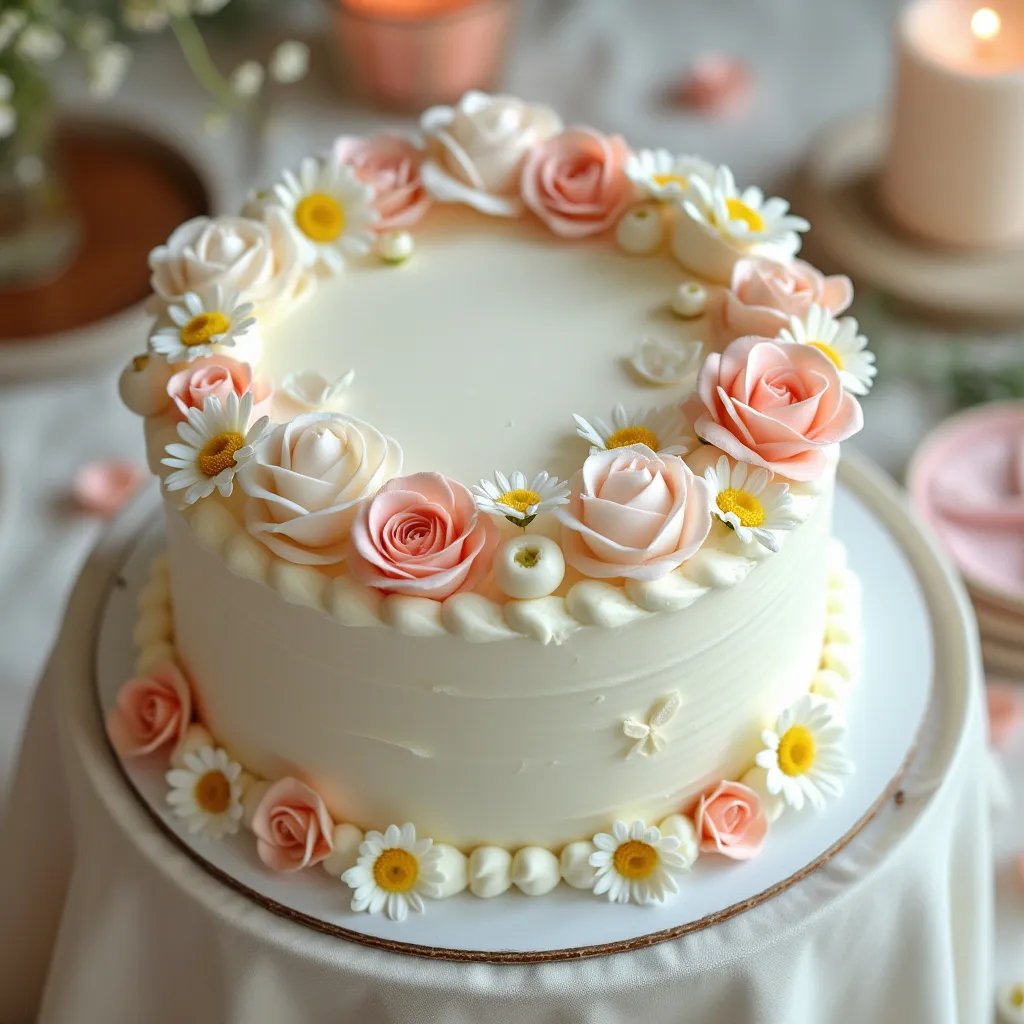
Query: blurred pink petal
(716, 83)
(102, 487)
(1003, 712)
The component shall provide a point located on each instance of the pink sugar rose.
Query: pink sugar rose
(576, 182)
(421, 535)
(391, 164)
(220, 376)
(634, 513)
(730, 820)
(151, 711)
(773, 404)
(765, 293)
(293, 829)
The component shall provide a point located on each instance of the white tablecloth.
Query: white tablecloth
(105, 920)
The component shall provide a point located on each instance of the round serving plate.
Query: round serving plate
(836, 191)
(890, 556)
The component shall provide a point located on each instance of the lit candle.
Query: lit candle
(954, 172)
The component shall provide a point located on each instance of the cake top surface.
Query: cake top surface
(500, 360)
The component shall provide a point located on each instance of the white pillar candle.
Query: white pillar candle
(954, 173)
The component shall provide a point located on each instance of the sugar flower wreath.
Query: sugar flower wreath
(325, 493)
(395, 871)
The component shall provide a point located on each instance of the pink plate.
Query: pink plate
(967, 480)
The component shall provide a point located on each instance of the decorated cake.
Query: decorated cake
(498, 463)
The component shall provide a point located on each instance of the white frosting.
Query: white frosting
(490, 871)
(452, 868)
(536, 727)
(346, 839)
(535, 871)
(575, 864)
(681, 826)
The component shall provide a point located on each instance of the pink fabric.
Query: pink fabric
(730, 821)
(764, 294)
(422, 535)
(391, 164)
(717, 83)
(576, 182)
(293, 829)
(1003, 712)
(217, 376)
(633, 513)
(773, 404)
(151, 711)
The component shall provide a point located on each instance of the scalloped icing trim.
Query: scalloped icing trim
(472, 616)
(489, 870)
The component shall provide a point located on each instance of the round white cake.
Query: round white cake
(536, 538)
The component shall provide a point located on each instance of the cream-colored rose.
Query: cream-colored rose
(255, 258)
(307, 479)
(476, 149)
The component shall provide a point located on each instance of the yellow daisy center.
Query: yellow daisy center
(635, 860)
(139, 363)
(201, 329)
(661, 180)
(1017, 995)
(527, 557)
(396, 870)
(749, 511)
(796, 750)
(320, 217)
(825, 349)
(638, 434)
(738, 210)
(520, 499)
(219, 452)
(213, 792)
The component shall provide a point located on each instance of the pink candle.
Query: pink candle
(955, 168)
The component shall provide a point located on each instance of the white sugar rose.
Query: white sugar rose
(307, 480)
(254, 258)
(476, 149)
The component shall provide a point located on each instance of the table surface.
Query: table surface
(597, 61)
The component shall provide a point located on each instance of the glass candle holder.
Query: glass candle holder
(409, 54)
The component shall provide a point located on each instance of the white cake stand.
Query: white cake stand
(884, 719)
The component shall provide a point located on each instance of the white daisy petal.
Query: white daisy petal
(518, 498)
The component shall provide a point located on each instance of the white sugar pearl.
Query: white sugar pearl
(395, 246)
(641, 230)
(689, 300)
(528, 566)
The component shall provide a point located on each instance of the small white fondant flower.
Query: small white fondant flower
(745, 217)
(745, 498)
(289, 62)
(528, 566)
(665, 176)
(636, 864)
(648, 736)
(663, 430)
(803, 755)
(202, 322)
(641, 230)
(312, 390)
(206, 793)
(215, 443)
(663, 361)
(393, 872)
(840, 340)
(520, 501)
(330, 210)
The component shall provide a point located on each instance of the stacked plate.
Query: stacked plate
(967, 481)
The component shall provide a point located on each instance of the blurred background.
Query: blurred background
(119, 119)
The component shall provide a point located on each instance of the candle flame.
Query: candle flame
(985, 24)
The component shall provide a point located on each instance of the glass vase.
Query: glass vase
(39, 232)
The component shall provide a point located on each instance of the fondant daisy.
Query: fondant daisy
(745, 217)
(206, 793)
(215, 443)
(745, 498)
(802, 756)
(840, 341)
(518, 500)
(202, 321)
(663, 430)
(331, 212)
(636, 864)
(664, 176)
(393, 872)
